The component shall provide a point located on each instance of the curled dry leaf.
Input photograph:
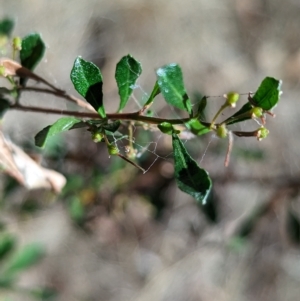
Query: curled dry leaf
(13, 68)
(16, 163)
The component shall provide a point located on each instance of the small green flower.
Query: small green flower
(232, 98)
(257, 112)
(222, 131)
(112, 149)
(262, 133)
(17, 43)
(97, 136)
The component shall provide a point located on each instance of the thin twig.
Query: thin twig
(61, 94)
(131, 162)
(114, 116)
(20, 107)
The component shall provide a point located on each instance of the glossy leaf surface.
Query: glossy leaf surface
(128, 70)
(61, 125)
(197, 128)
(33, 49)
(190, 178)
(267, 95)
(170, 82)
(167, 128)
(6, 27)
(87, 80)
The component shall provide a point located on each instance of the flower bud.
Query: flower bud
(112, 149)
(222, 131)
(232, 98)
(97, 136)
(17, 43)
(262, 133)
(256, 112)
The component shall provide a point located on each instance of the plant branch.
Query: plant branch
(223, 107)
(61, 94)
(113, 116)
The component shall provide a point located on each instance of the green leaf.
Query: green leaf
(167, 128)
(210, 209)
(87, 80)
(127, 72)
(197, 128)
(115, 136)
(202, 106)
(267, 95)
(190, 178)
(33, 49)
(241, 115)
(154, 93)
(113, 126)
(4, 106)
(6, 26)
(170, 82)
(61, 125)
(24, 258)
(7, 244)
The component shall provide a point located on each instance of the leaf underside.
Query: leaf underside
(190, 178)
(32, 51)
(61, 125)
(154, 93)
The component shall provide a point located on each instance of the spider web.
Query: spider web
(151, 147)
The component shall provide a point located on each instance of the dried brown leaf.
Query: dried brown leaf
(16, 163)
(13, 68)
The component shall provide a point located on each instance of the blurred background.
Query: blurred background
(115, 234)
